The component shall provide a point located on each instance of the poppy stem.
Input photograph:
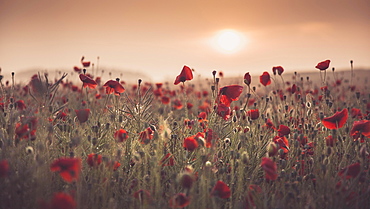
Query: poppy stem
(248, 96)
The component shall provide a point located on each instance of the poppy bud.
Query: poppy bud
(272, 149)
(245, 157)
(29, 150)
(208, 164)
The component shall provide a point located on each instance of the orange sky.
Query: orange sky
(158, 37)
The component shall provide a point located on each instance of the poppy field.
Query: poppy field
(272, 142)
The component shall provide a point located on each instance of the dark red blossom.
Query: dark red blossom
(121, 135)
(223, 111)
(62, 200)
(360, 128)
(221, 190)
(247, 79)
(202, 116)
(180, 200)
(230, 93)
(270, 168)
(165, 100)
(283, 130)
(113, 86)
(68, 168)
(82, 115)
(4, 168)
(265, 79)
(94, 160)
(269, 124)
(77, 69)
(177, 104)
(279, 70)
(282, 142)
(87, 81)
(146, 135)
(253, 114)
(185, 75)
(356, 113)
(85, 63)
(323, 65)
(350, 171)
(20, 105)
(190, 143)
(337, 120)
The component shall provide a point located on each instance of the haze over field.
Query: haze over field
(157, 38)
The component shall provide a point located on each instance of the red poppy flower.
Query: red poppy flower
(159, 85)
(221, 74)
(190, 143)
(77, 69)
(283, 130)
(177, 104)
(269, 124)
(253, 114)
(87, 81)
(337, 120)
(61, 115)
(223, 111)
(62, 200)
(85, 63)
(146, 135)
(202, 116)
(360, 128)
(165, 100)
(323, 65)
(356, 113)
(113, 86)
(209, 136)
(180, 200)
(270, 168)
(282, 142)
(247, 79)
(350, 171)
(279, 70)
(167, 160)
(265, 79)
(185, 75)
(68, 168)
(157, 92)
(20, 105)
(121, 135)
(227, 94)
(189, 105)
(94, 160)
(221, 190)
(82, 115)
(4, 168)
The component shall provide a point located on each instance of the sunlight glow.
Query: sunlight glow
(229, 41)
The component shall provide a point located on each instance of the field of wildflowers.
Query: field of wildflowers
(273, 143)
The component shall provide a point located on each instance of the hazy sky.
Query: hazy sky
(158, 37)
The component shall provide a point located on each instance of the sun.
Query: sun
(229, 41)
